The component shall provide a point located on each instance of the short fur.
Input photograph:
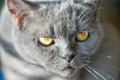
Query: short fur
(23, 58)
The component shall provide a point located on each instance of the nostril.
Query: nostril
(70, 57)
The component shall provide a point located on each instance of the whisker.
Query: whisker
(91, 72)
(108, 77)
(107, 64)
(97, 73)
(105, 56)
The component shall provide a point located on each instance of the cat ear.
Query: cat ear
(19, 9)
(94, 2)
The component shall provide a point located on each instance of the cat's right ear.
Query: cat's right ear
(19, 9)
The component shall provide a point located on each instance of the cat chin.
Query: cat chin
(67, 72)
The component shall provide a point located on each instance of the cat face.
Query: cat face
(60, 37)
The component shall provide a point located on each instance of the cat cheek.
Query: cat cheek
(80, 61)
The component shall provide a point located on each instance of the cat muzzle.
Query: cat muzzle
(80, 62)
(68, 71)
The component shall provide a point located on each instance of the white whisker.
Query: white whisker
(97, 73)
(94, 75)
(110, 65)
(105, 56)
(108, 77)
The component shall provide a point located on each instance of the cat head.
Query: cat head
(60, 36)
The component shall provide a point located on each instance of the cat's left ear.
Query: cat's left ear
(19, 9)
(93, 2)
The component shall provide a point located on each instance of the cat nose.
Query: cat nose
(68, 57)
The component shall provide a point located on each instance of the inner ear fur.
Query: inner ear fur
(19, 9)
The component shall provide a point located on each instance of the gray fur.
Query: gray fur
(26, 59)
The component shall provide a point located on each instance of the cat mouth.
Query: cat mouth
(67, 71)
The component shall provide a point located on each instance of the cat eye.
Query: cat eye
(82, 36)
(46, 41)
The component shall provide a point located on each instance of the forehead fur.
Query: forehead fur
(65, 15)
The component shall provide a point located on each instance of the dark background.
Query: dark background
(111, 11)
(1, 4)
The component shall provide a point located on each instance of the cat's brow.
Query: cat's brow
(48, 2)
(45, 33)
(52, 31)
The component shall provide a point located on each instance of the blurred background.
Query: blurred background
(109, 11)
(1, 4)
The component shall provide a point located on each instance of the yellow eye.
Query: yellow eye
(82, 36)
(46, 41)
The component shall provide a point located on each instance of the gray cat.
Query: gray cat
(57, 40)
